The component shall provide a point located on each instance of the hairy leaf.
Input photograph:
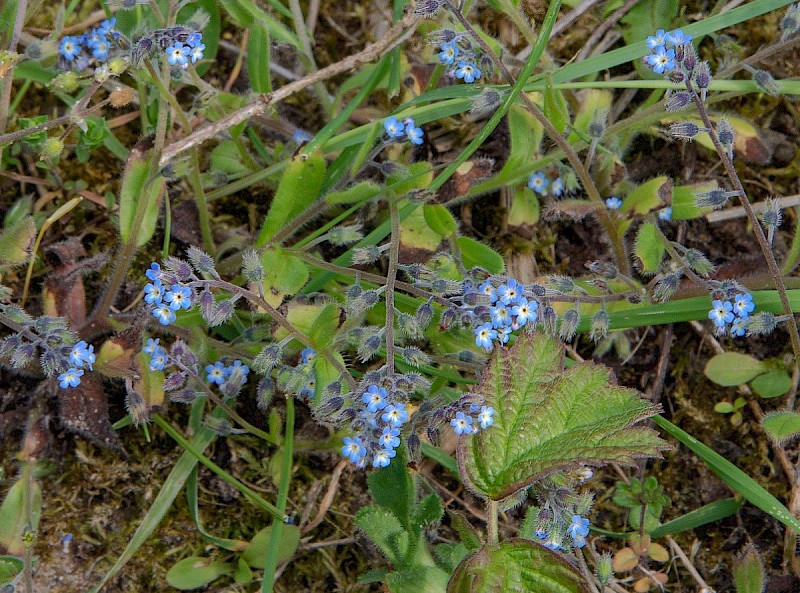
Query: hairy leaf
(548, 419)
(781, 426)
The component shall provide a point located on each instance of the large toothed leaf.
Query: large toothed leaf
(516, 565)
(548, 419)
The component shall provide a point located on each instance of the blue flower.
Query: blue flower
(307, 355)
(164, 314)
(72, 378)
(395, 415)
(414, 134)
(486, 417)
(70, 47)
(196, 53)
(216, 373)
(390, 438)
(375, 398)
(678, 37)
(462, 424)
(107, 27)
(484, 336)
(154, 272)
(383, 457)
(500, 316)
(369, 418)
(525, 311)
(738, 327)
(238, 372)
(153, 293)
(159, 359)
(180, 297)
(449, 52)
(721, 313)
(662, 60)
(509, 292)
(78, 353)
(487, 289)
(100, 49)
(613, 203)
(504, 333)
(743, 305)
(469, 72)
(394, 127)
(151, 346)
(194, 39)
(177, 54)
(557, 187)
(579, 527)
(354, 449)
(538, 182)
(665, 213)
(656, 40)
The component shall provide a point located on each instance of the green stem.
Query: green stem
(227, 478)
(391, 278)
(493, 524)
(200, 201)
(283, 494)
(793, 256)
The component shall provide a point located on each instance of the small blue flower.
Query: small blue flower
(375, 398)
(107, 27)
(307, 355)
(538, 182)
(487, 289)
(656, 40)
(354, 449)
(154, 272)
(449, 52)
(100, 49)
(177, 54)
(579, 541)
(509, 292)
(238, 371)
(194, 39)
(70, 47)
(486, 417)
(153, 293)
(462, 424)
(390, 438)
(383, 457)
(579, 527)
(665, 213)
(72, 378)
(743, 305)
(394, 127)
(395, 415)
(484, 336)
(504, 333)
(164, 314)
(180, 297)
(369, 418)
(76, 355)
(500, 316)
(196, 52)
(469, 72)
(678, 37)
(662, 60)
(151, 346)
(216, 373)
(300, 136)
(557, 187)
(721, 313)
(738, 327)
(525, 311)
(613, 203)
(159, 359)
(414, 134)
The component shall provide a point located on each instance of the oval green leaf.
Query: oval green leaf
(649, 248)
(781, 426)
(195, 572)
(733, 368)
(772, 384)
(476, 254)
(440, 219)
(256, 553)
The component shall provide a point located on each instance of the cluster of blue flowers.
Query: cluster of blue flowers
(181, 53)
(81, 354)
(97, 44)
(731, 316)
(577, 530)
(218, 372)
(382, 420)
(541, 184)
(461, 59)
(396, 129)
(510, 310)
(663, 45)
(165, 302)
(466, 424)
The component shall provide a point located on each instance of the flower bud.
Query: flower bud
(269, 357)
(677, 100)
(51, 149)
(698, 262)
(344, 235)
(447, 318)
(569, 323)
(604, 569)
(252, 269)
(486, 102)
(766, 83)
(561, 284)
(685, 130)
(201, 261)
(726, 135)
(424, 314)
(761, 323)
(66, 82)
(599, 325)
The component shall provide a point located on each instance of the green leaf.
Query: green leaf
(549, 419)
(299, 188)
(323, 330)
(258, 59)
(555, 106)
(284, 274)
(710, 513)
(256, 553)
(772, 384)
(733, 368)
(393, 488)
(361, 192)
(428, 511)
(139, 199)
(13, 522)
(430, 579)
(684, 205)
(450, 555)
(439, 219)
(385, 530)
(781, 426)
(243, 574)
(526, 136)
(476, 254)
(592, 103)
(525, 209)
(735, 478)
(748, 572)
(16, 241)
(647, 196)
(649, 248)
(225, 157)
(195, 572)
(516, 565)
(468, 534)
(724, 408)
(415, 234)
(10, 567)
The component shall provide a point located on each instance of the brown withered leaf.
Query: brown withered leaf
(84, 411)
(573, 209)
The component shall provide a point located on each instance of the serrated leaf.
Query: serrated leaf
(385, 530)
(733, 368)
(781, 426)
(772, 384)
(476, 254)
(516, 565)
(748, 572)
(439, 219)
(256, 553)
(195, 572)
(299, 188)
(649, 248)
(549, 419)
